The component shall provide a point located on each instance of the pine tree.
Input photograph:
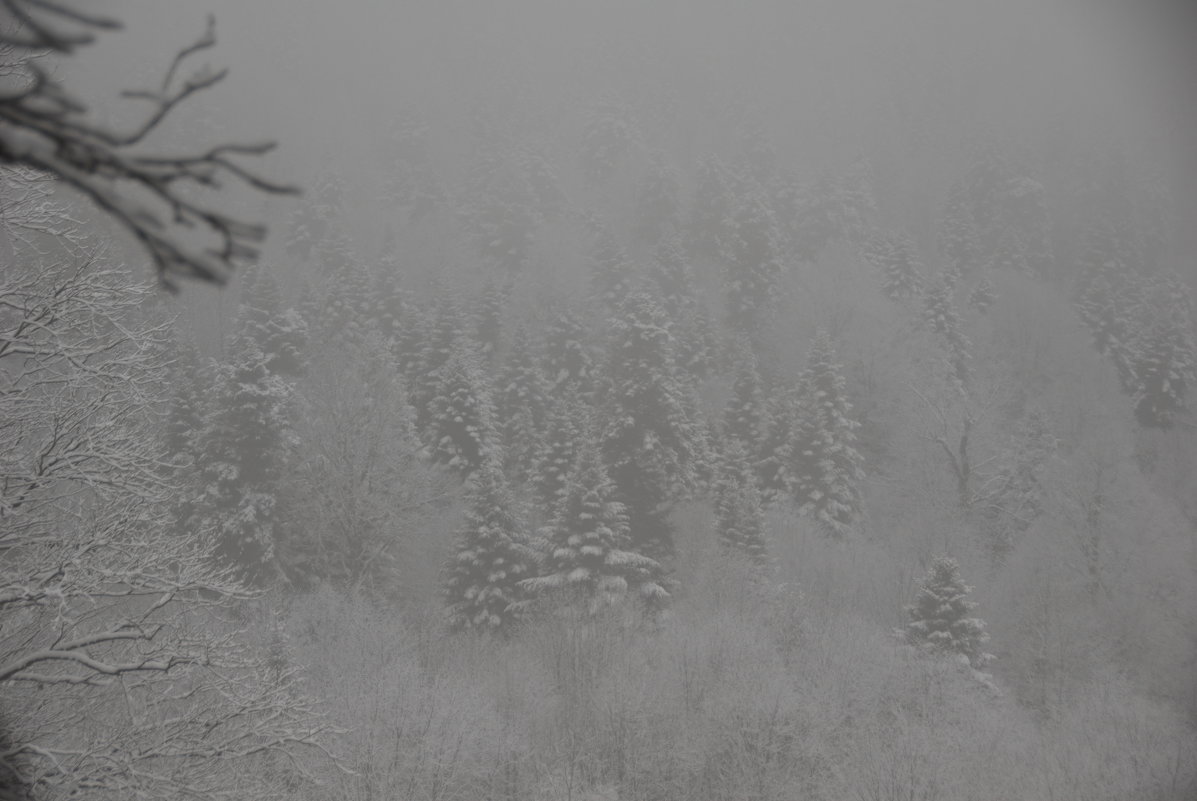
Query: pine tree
(567, 358)
(461, 419)
(895, 256)
(982, 296)
(1013, 496)
(488, 313)
(940, 616)
(441, 334)
(483, 589)
(1023, 215)
(713, 202)
(751, 251)
(774, 455)
(613, 276)
(958, 232)
(609, 137)
(939, 314)
(588, 542)
(1010, 253)
(1165, 359)
(522, 402)
(652, 442)
(1108, 297)
(676, 288)
(557, 450)
(657, 209)
(744, 417)
(739, 516)
(826, 464)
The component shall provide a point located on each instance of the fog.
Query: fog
(642, 400)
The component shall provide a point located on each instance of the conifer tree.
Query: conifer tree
(609, 138)
(1024, 218)
(461, 419)
(1108, 296)
(774, 456)
(739, 516)
(676, 288)
(958, 232)
(982, 296)
(482, 589)
(567, 358)
(1010, 253)
(613, 276)
(522, 402)
(556, 451)
(744, 417)
(1164, 357)
(658, 205)
(712, 206)
(441, 334)
(826, 464)
(940, 618)
(488, 315)
(939, 314)
(1013, 496)
(588, 545)
(652, 441)
(752, 250)
(895, 256)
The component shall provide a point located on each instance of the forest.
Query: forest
(623, 405)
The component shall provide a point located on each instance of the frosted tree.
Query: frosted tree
(744, 418)
(894, 255)
(588, 547)
(941, 616)
(609, 137)
(714, 199)
(1164, 357)
(958, 237)
(672, 275)
(940, 316)
(488, 313)
(121, 675)
(826, 466)
(244, 438)
(1108, 297)
(613, 275)
(522, 402)
(317, 234)
(774, 468)
(739, 515)
(652, 441)
(657, 209)
(427, 347)
(566, 357)
(557, 449)
(982, 296)
(1013, 495)
(1024, 220)
(483, 588)
(751, 251)
(461, 431)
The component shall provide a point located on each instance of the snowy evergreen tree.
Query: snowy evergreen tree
(739, 516)
(744, 417)
(613, 276)
(826, 464)
(488, 313)
(982, 296)
(894, 255)
(832, 208)
(958, 240)
(557, 450)
(939, 314)
(1013, 496)
(503, 208)
(773, 465)
(567, 358)
(676, 288)
(461, 430)
(714, 200)
(482, 589)
(441, 334)
(940, 618)
(609, 137)
(752, 251)
(1164, 356)
(1108, 297)
(1023, 216)
(588, 546)
(657, 209)
(1010, 253)
(522, 402)
(651, 439)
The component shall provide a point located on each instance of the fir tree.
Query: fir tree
(1165, 358)
(613, 276)
(1107, 299)
(588, 543)
(958, 232)
(483, 590)
(556, 451)
(752, 256)
(567, 358)
(652, 441)
(1013, 496)
(609, 137)
(713, 202)
(774, 455)
(744, 417)
(488, 315)
(1024, 218)
(939, 314)
(672, 275)
(826, 464)
(1010, 253)
(440, 336)
(522, 402)
(461, 426)
(658, 206)
(739, 516)
(940, 616)
(982, 296)
(894, 255)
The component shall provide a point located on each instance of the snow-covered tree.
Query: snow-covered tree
(522, 402)
(739, 515)
(461, 432)
(941, 617)
(557, 449)
(488, 313)
(752, 252)
(775, 474)
(1013, 495)
(566, 357)
(894, 255)
(826, 467)
(982, 296)
(1164, 357)
(613, 275)
(958, 238)
(610, 136)
(657, 209)
(482, 588)
(714, 199)
(744, 418)
(588, 547)
(652, 441)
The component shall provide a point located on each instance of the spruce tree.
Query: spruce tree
(609, 138)
(982, 296)
(739, 516)
(958, 232)
(557, 449)
(940, 618)
(613, 276)
(461, 419)
(652, 441)
(744, 417)
(566, 356)
(588, 546)
(712, 206)
(482, 588)
(487, 318)
(894, 255)
(522, 402)
(752, 251)
(1164, 358)
(657, 209)
(774, 468)
(826, 465)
